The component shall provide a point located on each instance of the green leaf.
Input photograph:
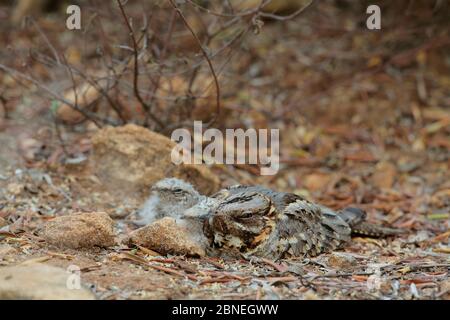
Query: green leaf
(54, 106)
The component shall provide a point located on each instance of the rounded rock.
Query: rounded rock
(81, 230)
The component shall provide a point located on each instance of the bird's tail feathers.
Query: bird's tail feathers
(356, 219)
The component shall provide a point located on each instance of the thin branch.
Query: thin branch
(93, 82)
(103, 90)
(231, 15)
(47, 41)
(288, 17)
(69, 70)
(208, 60)
(89, 115)
(146, 106)
(3, 102)
(59, 135)
(162, 57)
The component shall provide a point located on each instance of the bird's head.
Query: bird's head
(242, 221)
(173, 191)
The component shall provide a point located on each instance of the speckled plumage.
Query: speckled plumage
(254, 220)
(257, 221)
(169, 197)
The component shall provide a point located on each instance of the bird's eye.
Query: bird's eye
(245, 214)
(178, 191)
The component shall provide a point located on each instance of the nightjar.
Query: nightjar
(169, 197)
(257, 221)
(254, 220)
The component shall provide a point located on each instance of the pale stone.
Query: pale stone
(39, 282)
(82, 230)
(167, 237)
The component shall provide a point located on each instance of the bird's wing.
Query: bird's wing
(311, 229)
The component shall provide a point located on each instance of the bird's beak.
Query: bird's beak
(198, 212)
(222, 194)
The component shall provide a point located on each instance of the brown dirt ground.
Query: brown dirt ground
(359, 130)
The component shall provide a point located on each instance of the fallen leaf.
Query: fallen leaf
(36, 260)
(316, 181)
(2, 222)
(442, 237)
(442, 250)
(438, 216)
(405, 270)
(384, 175)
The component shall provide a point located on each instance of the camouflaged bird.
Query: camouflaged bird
(170, 197)
(254, 220)
(257, 221)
